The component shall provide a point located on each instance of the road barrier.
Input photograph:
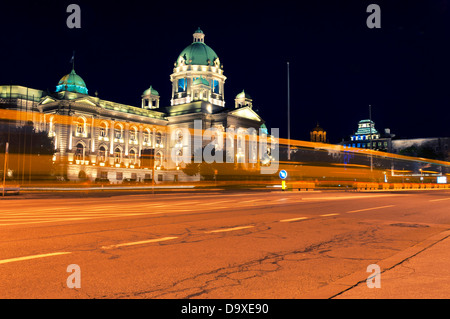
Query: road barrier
(361, 186)
(301, 186)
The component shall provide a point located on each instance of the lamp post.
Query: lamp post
(5, 167)
(288, 114)
(370, 126)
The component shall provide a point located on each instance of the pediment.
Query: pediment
(247, 113)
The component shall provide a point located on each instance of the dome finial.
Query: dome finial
(199, 36)
(72, 60)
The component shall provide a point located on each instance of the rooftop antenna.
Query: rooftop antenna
(72, 60)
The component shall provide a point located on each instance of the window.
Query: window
(119, 176)
(160, 178)
(133, 156)
(79, 153)
(103, 130)
(104, 175)
(117, 155)
(146, 136)
(102, 154)
(182, 85)
(158, 138)
(134, 176)
(215, 86)
(133, 134)
(80, 126)
(118, 132)
(158, 159)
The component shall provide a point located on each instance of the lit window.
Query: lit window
(118, 133)
(133, 157)
(102, 154)
(117, 155)
(80, 126)
(182, 85)
(103, 130)
(215, 86)
(79, 153)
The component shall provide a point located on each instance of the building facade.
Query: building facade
(367, 136)
(98, 139)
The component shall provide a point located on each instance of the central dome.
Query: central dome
(72, 82)
(197, 53)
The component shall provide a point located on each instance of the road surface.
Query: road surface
(207, 244)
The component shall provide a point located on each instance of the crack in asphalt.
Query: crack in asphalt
(400, 263)
(234, 275)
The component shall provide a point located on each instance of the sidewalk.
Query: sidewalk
(419, 272)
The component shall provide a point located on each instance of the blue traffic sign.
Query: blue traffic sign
(282, 174)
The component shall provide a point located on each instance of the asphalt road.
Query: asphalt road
(206, 244)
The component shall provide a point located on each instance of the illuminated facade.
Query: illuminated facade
(99, 139)
(318, 134)
(368, 137)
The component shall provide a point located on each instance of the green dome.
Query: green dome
(150, 90)
(72, 82)
(197, 53)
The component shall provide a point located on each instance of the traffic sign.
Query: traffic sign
(282, 174)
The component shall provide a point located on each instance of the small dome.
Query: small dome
(151, 91)
(72, 82)
(243, 95)
(199, 30)
(318, 128)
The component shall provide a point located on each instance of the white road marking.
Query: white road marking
(325, 215)
(353, 197)
(213, 203)
(4, 261)
(139, 242)
(228, 229)
(372, 208)
(292, 219)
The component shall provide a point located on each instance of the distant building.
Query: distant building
(318, 134)
(367, 136)
(431, 147)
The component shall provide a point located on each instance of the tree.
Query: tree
(30, 152)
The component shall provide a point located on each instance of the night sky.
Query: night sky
(338, 66)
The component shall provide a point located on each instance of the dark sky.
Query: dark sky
(338, 66)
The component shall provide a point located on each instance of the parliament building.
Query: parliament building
(99, 139)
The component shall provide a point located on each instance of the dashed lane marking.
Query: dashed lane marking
(228, 229)
(4, 261)
(139, 242)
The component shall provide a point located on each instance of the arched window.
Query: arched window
(146, 136)
(117, 155)
(133, 156)
(178, 157)
(158, 159)
(103, 129)
(102, 154)
(118, 132)
(133, 134)
(81, 126)
(158, 138)
(79, 153)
